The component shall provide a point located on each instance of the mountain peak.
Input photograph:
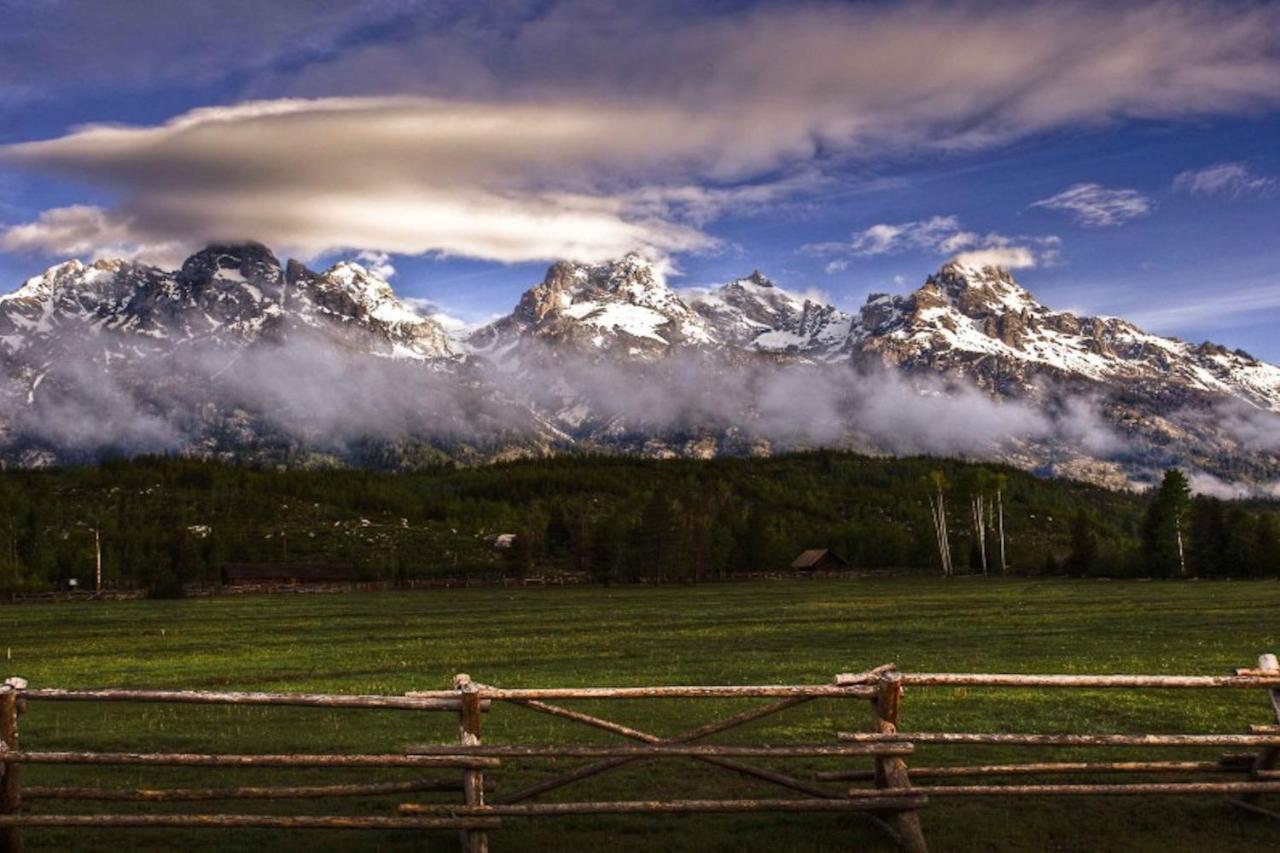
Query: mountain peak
(249, 259)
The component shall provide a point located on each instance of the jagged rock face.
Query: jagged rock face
(130, 328)
(982, 324)
(622, 309)
(755, 314)
(225, 294)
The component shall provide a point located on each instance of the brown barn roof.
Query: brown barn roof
(812, 557)
(303, 572)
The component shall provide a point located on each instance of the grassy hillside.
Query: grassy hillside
(763, 632)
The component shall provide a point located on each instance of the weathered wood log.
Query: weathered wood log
(210, 697)
(472, 780)
(1045, 768)
(813, 691)
(166, 795)
(10, 774)
(974, 679)
(891, 772)
(1269, 757)
(579, 717)
(239, 821)
(670, 807)
(1100, 788)
(714, 727)
(660, 750)
(223, 760)
(1061, 739)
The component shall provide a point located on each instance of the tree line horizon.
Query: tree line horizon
(164, 523)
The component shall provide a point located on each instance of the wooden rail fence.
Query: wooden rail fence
(892, 800)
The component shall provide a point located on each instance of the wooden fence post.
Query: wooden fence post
(1269, 757)
(891, 771)
(10, 781)
(473, 840)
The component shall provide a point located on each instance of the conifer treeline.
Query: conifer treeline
(161, 523)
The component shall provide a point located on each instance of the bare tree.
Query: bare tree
(936, 485)
(1001, 482)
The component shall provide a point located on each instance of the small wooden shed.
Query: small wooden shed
(819, 560)
(287, 574)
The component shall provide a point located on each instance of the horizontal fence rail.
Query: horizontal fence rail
(184, 759)
(812, 691)
(208, 697)
(1258, 680)
(991, 738)
(891, 798)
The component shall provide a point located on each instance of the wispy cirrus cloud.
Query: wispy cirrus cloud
(1232, 180)
(1097, 206)
(943, 236)
(1230, 307)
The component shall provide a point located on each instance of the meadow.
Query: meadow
(759, 632)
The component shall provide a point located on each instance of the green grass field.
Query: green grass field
(795, 632)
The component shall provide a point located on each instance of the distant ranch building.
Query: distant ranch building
(287, 574)
(819, 560)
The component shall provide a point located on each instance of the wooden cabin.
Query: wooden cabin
(287, 574)
(819, 560)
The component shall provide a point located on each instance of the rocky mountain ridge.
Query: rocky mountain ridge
(703, 371)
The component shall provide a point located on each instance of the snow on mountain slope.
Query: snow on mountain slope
(234, 351)
(980, 322)
(227, 295)
(754, 313)
(619, 309)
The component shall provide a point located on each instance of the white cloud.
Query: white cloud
(941, 235)
(378, 263)
(838, 265)
(426, 308)
(1009, 257)
(1223, 179)
(1097, 206)
(88, 230)
(931, 233)
(572, 130)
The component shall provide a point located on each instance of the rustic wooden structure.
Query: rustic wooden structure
(819, 560)
(890, 796)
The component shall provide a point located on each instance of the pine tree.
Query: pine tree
(1207, 545)
(1083, 559)
(1163, 528)
(1266, 549)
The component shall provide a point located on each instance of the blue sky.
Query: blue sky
(1125, 159)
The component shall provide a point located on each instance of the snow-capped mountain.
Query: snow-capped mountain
(235, 353)
(983, 324)
(622, 309)
(754, 313)
(229, 295)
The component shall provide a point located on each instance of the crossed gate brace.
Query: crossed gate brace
(894, 813)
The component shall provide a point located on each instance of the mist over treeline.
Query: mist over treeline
(165, 524)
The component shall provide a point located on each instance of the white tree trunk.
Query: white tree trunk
(937, 512)
(1182, 558)
(1000, 517)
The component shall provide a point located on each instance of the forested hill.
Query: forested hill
(165, 522)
